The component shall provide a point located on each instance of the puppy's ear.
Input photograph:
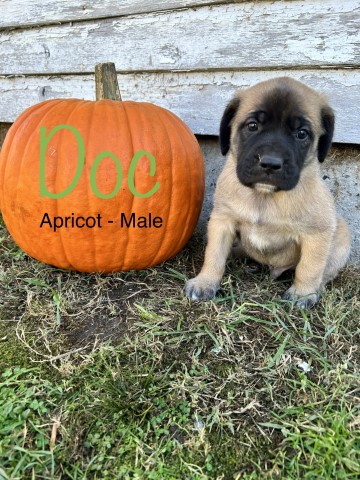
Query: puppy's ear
(328, 123)
(225, 125)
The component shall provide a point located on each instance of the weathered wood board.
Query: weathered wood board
(197, 97)
(21, 13)
(219, 37)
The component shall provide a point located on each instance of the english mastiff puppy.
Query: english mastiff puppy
(270, 196)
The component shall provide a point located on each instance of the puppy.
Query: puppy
(270, 194)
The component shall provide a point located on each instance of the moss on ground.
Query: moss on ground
(12, 353)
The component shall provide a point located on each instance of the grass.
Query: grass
(121, 377)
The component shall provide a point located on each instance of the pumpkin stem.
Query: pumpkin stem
(107, 86)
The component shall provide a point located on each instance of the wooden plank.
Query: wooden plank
(320, 33)
(197, 97)
(22, 13)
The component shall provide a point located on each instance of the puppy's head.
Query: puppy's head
(274, 129)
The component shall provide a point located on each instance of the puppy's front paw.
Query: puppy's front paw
(301, 301)
(201, 289)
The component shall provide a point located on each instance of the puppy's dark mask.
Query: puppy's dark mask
(274, 139)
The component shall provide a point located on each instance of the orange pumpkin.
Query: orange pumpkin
(118, 240)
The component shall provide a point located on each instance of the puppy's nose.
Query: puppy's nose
(271, 163)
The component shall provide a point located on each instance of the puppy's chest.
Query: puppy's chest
(265, 231)
(265, 237)
(264, 227)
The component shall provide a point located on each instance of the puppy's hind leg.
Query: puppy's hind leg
(339, 252)
(221, 233)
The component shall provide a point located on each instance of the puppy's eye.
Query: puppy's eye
(252, 126)
(302, 134)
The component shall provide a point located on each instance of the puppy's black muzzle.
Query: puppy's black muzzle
(271, 158)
